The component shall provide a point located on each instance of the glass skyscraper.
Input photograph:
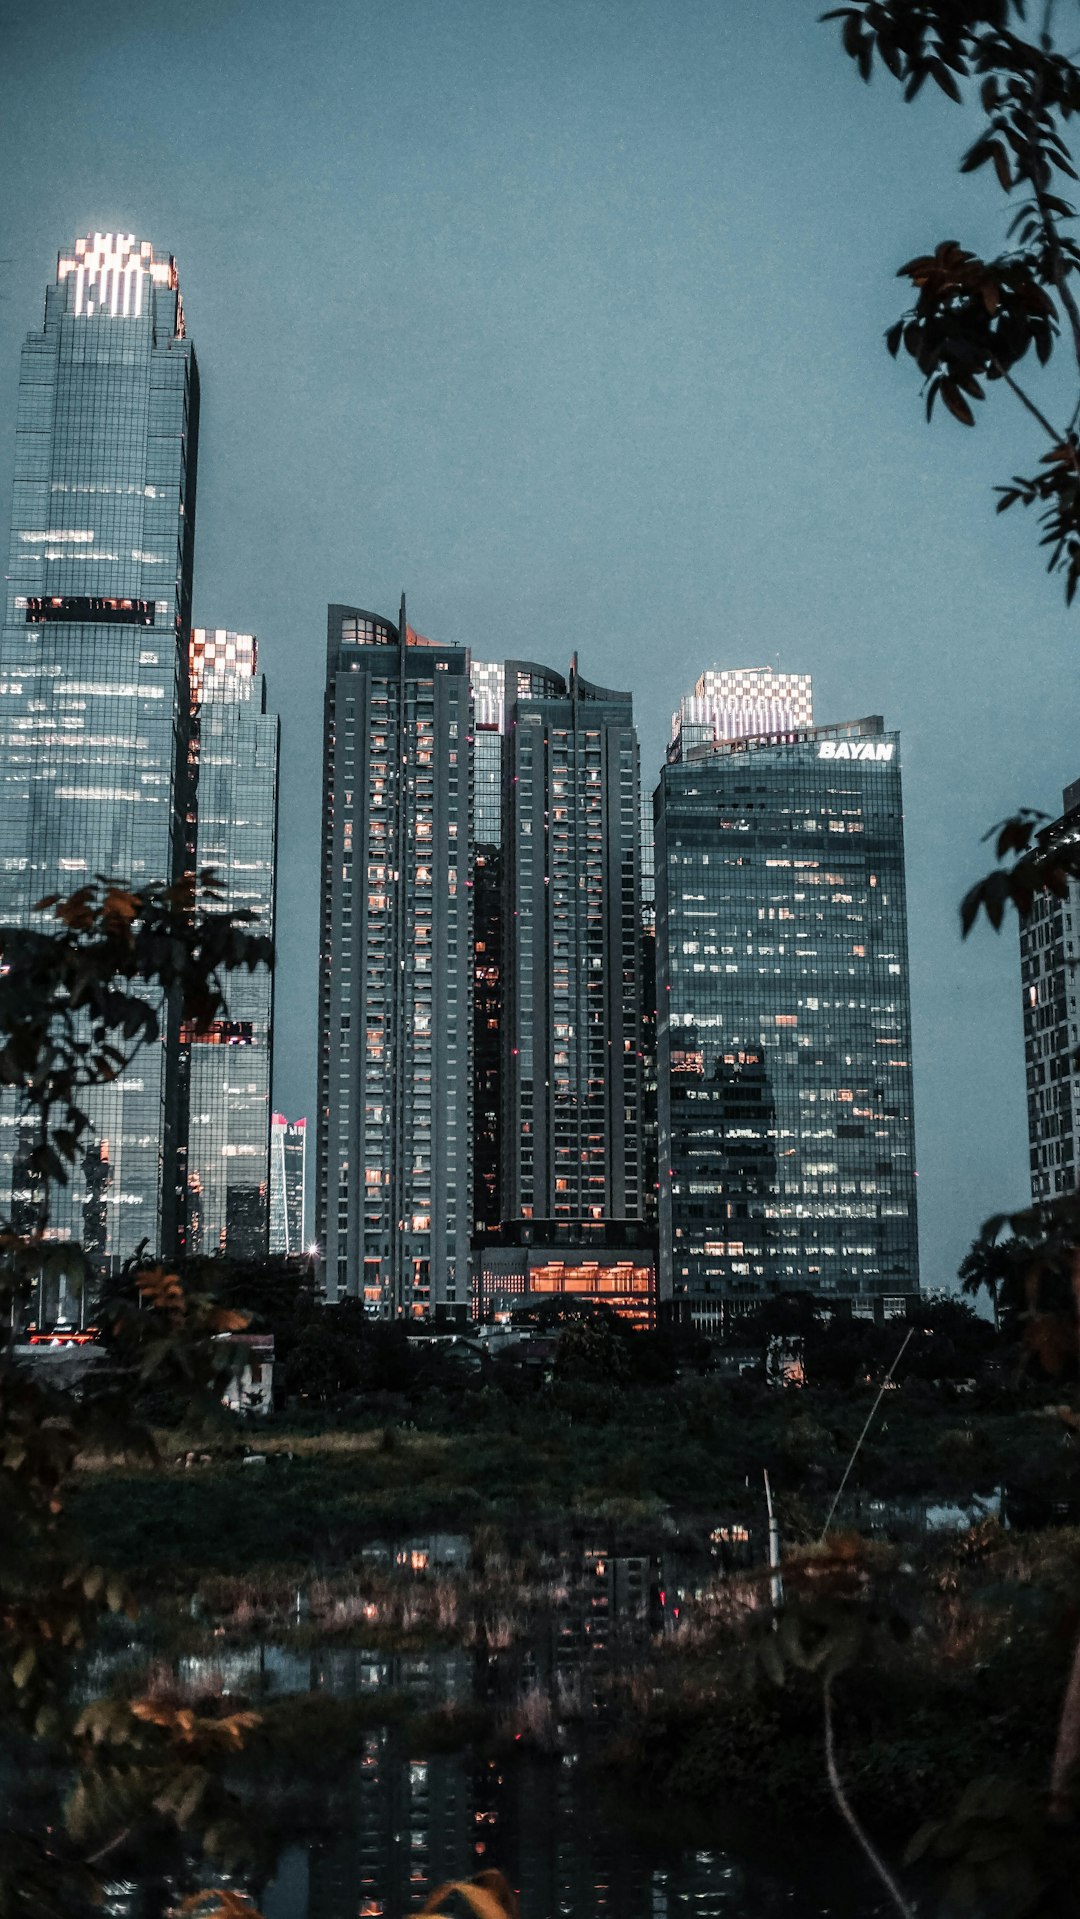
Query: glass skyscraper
(572, 1022)
(394, 1176)
(786, 1136)
(288, 1179)
(235, 749)
(94, 702)
(1050, 975)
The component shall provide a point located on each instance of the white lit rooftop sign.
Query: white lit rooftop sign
(856, 749)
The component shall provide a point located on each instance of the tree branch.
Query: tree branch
(1067, 1748)
(847, 1814)
(1037, 172)
(95, 1858)
(1056, 438)
(1057, 265)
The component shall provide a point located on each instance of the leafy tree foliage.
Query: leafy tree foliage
(972, 325)
(975, 322)
(77, 1001)
(77, 1004)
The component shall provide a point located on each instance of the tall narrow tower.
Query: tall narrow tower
(488, 727)
(393, 1179)
(572, 1122)
(1050, 971)
(288, 1179)
(94, 705)
(236, 751)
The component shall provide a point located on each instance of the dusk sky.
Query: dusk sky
(565, 316)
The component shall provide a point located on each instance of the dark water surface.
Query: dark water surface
(405, 1821)
(376, 1838)
(412, 1824)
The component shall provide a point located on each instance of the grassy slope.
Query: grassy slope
(698, 1454)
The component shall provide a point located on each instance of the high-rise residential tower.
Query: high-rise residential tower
(650, 1183)
(1050, 977)
(394, 1176)
(288, 1182)
(488, 729)
(94, 704)
(786, 1136)
(572, 1128)
(235, 750)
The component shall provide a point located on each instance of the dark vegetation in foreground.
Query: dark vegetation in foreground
(586, 1421)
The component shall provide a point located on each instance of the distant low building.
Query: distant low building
(251, 1387)
(609, 1262)
(61, 1357)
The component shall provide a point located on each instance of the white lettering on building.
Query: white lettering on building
(856, 750)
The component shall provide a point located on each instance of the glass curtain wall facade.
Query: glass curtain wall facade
(235, 748)
(1050, 972)
(94, 704)
(787, 1157)
(394, 1176)
(572, 1080)
(288, 1185)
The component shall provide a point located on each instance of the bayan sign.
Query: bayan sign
(856, 750)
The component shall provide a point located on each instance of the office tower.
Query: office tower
(784, 1032)
(235, 751)
(288, 1183)
(94, 706)
(487, 878)
(572, 1136)
(394, 1176)
(1050, 971)
(740, 702)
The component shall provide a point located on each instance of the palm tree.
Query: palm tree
(995, 1265)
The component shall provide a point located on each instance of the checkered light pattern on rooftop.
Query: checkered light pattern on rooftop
(110, 272)
(221, 663)
(742, 702)
(488, 679)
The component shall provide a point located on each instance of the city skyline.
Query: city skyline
(612, 409)
(503, 786)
